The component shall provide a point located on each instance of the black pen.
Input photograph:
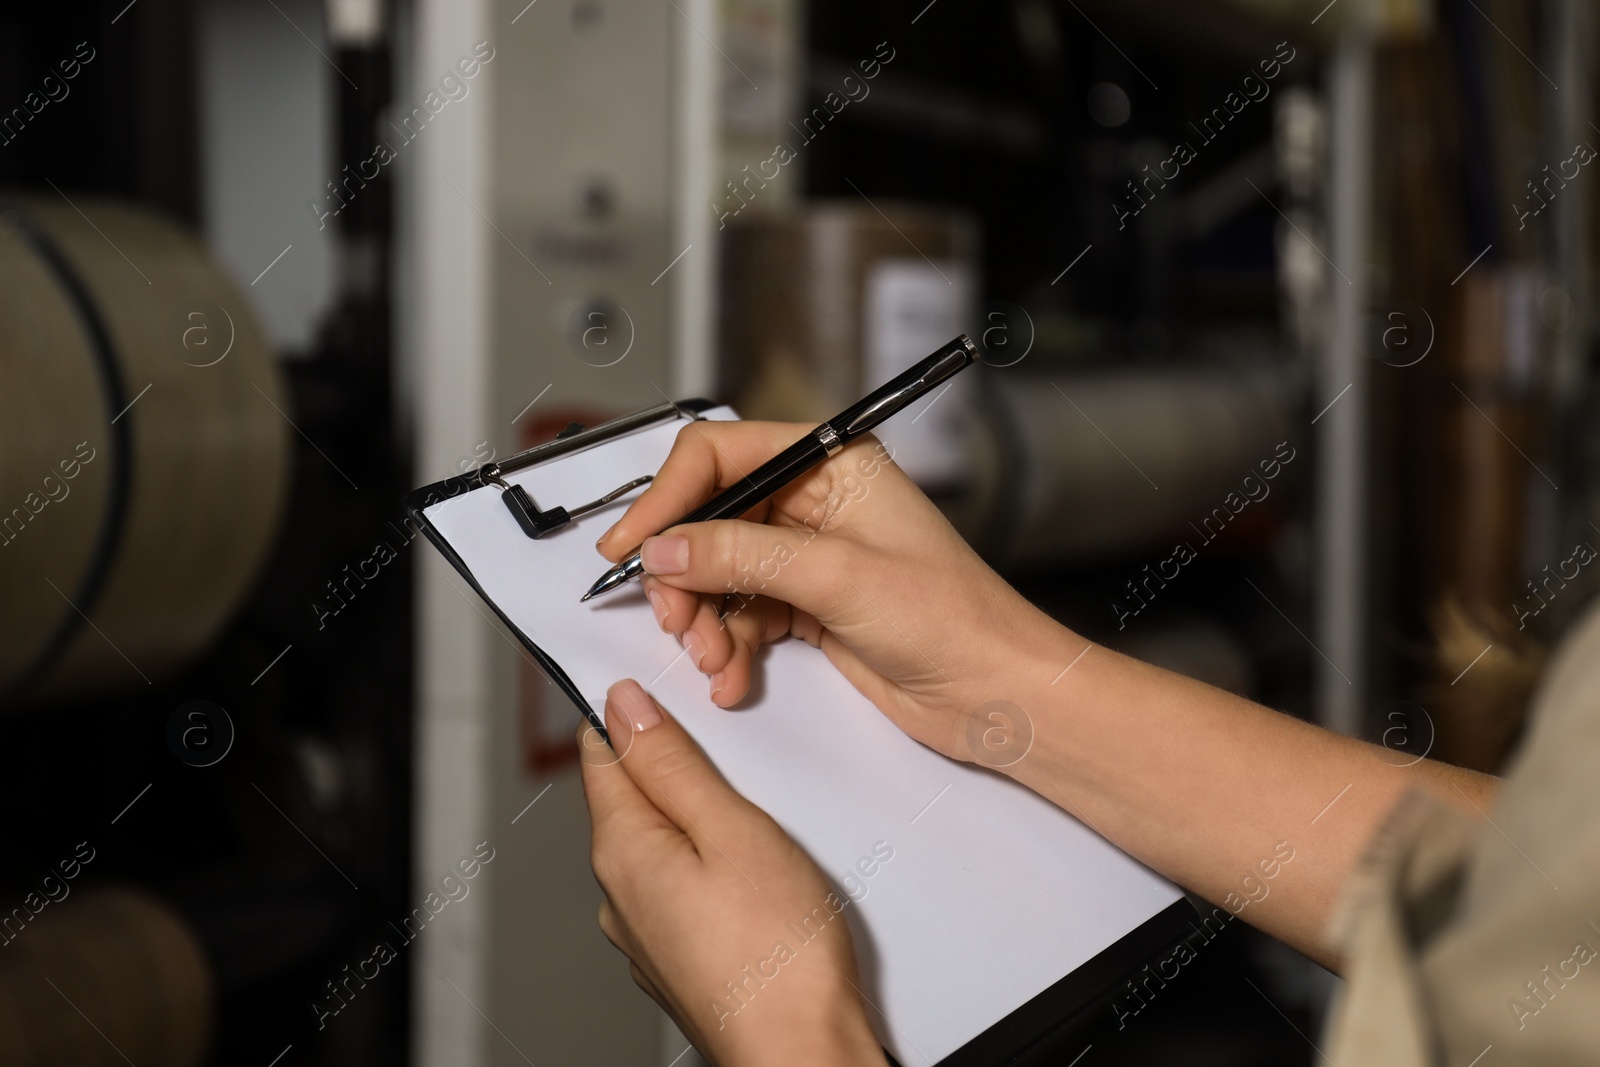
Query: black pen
(813, 448)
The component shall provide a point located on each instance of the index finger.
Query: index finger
(707, 456)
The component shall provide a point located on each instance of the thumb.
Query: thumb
(667, 766)
(751, 558)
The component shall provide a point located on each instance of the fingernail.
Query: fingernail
(636, 707)
(695, 646)
(605, 535)
(658, 604)
(665, 555)
(719, 681)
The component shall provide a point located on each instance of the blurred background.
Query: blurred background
(1287, 315)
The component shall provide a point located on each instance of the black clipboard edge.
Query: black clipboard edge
(1049, 1029)
(414, 508)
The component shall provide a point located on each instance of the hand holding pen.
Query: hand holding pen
(824, 441)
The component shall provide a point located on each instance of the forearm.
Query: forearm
(1213, 790)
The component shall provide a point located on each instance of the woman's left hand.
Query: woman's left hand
(709, 898)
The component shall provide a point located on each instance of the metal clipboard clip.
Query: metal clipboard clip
(536, 522)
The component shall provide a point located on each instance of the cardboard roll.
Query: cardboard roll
(143, 448)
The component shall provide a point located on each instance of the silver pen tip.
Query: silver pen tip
(614, 578)
(608, 581)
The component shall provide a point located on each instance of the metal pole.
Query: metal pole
(1340, 601)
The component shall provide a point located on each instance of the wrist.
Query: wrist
(847, 1040)
(1027, 705)
(1055, 672)
(838, 1034)
(1091, 726)
(831, 1028)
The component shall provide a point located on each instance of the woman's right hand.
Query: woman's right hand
(1197, 783)
(854, 559)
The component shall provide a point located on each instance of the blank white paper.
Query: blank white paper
(993, 893)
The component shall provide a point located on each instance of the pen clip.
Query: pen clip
(945, 364)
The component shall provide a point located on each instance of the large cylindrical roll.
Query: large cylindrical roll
(103, 977)
(1069, 466)
(143, 447)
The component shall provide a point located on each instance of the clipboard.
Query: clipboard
(949, 993)
(531, 518)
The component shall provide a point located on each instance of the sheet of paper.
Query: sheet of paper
(992, 893)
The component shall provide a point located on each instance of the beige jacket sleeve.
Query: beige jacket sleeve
(1475, 939)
